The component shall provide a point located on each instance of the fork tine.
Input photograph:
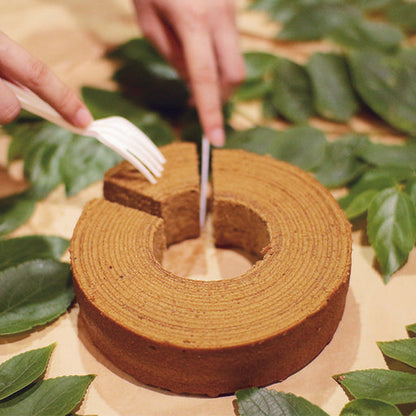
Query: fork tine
(126, 154)
(140, 140)
(137, 132)
(133, 145)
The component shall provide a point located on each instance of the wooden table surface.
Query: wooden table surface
(72, 37)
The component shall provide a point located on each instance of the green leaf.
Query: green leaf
(22, 370)
(411, 328)
(252, 90)
(256, 84)
(391, 228)
(387, 84)
(403, 14)
(316, 21)
(18, 250)
(147, 76)
(53, 155)
(103, 103)
(42, 159)
(403, 350)
(57, 397)
(85, 162)
(355, 205)
(264, 402)
(302, 146)
(361, 33)
(395, 387)
(402, 156)
(33, 293)
(340, 165)
(382, 178)
(411, 190)
(15, 210)
(259, 140)
(291, 91)
(20, 130)
(334, 97)
(257, 64)
(283, 10)
(369, 407)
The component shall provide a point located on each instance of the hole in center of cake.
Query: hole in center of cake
(231, 242)
(200, 259)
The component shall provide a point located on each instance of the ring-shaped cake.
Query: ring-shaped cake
(212, 337)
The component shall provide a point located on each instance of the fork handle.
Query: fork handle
(34, 104)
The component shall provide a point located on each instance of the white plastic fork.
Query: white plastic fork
(115, 132)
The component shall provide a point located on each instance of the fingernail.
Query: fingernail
(82, 118)
(217, 137)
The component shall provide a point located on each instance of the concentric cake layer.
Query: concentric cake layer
(214, 337)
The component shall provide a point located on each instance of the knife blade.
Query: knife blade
(204, 181)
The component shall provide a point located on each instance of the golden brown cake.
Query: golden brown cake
(215, 337)
(174, 197)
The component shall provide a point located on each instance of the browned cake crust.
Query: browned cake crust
(174, 197)
(216, 337)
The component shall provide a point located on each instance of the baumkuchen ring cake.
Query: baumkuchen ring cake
(213, 337)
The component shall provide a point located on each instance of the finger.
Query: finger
(161, 35)
(202, 69)
(9, 104)
(229, 57)
(20, 66)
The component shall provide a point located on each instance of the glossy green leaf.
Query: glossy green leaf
(261, 140)
(333, 95)
(411, 190)
(256, 84)
(15, 210)
(103, 103)
(316, 21)
(402, 156)
(403, 350)
(252, 90)
(396, 387)
(33, 293)
(382, 178)
(340, 164)
(391, 229)
(361, 33)
(14, 251)
(42, 159)
(283, 10)
(146, 76)
(22, 370)
(21, 129)
(257, 64)
(57, 397)
(387, 84)
(369, 407)
(291, 91)
(355, 205)
(403, 14)
(302, 146)
(85, 162)
(265, 402)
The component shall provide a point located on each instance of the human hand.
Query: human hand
(199, 38)
(18, 66)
